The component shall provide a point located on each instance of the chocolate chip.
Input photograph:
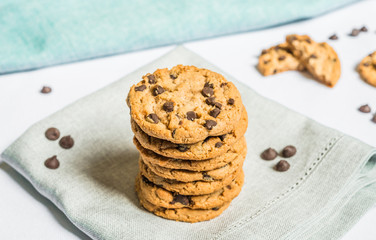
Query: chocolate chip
(364, 29)
(207, 177)
(308, 40)
(365, 108)
(366, 64)
(153, 117)
(207, 92)
(173, 133)
(282, 166)
(210, 101)
(374, 118)
(269, 154)
(231, 101)
(263, 52)
(218, 105)
(209, 85)
(52, 134)
(222, 137)
(168, 106)
(313, 56)
(158, 90)
(183, 148)
(167, 145)
(274, 71)
(140, 88)
(333, 37)
(218, 144)
(191, 115)
(209, 124)
(288, 151)
(215, 208)
(180, 122)
(173, 77)
(215, 112)
(145, 180)
(355, 32)
(228, 187)
(45, 89)
(266, 62)
(66, 142)
(52, 162)
(151, 78)
(185, 200)
(223, 84)
(282, 58)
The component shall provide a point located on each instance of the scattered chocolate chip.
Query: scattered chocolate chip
(215, 112)
(374, 118)
(263, 52)
(173, 132)
(209, 124)
(231, 101)
(365, 108)
(218, 105)
(228, 186)
(145, 180)
(140, 88)
(66, 142)
(207, 177)
(269, 154)
(158, 90)
(224, 84)
(222, 137)
(274, 71)
(52, 162)
(173, 77)
(366, 64)
(334, 60)
(167, 145)
(153, 117)
(180, 122)
(308, 40)
(207, 92)
(209, 85)
(168, 106)
(183, 148)
(282, 166)
(45, 89)
(151, 78)
(355, 32)
(210, 101)
(52, 134)
(191, 115)
(215, 208)
(281, 58)
(364, 29)
(288, 151)
(218, 144)
(313, 56)
(333, 37)
(185, 200)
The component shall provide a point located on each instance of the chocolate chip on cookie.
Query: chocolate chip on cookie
(218, 144)
(183, 148)
(173, 77)
(168, 106)
(215, 112)
(333, 37)
(222, 137)
(289, 151)
(282, 166)
(140, 88)
(365, 109)
(231, 101)
(210, 124)
(207, 92)
(207, 177)
(269, 154)
(191, 115)
(158, 90)
(210, 101)
(152, 117)
(185, 200)
(151, 79)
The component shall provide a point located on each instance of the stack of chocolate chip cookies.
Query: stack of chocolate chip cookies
(189, 125)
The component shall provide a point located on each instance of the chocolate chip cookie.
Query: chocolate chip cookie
(278, 59)
(208, 148)
(237, 150)
(367, 69)
(187, 188)
(159, 196)
(183, 214)
(319, 59)
(185, 104)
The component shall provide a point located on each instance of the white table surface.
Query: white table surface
(25, 214)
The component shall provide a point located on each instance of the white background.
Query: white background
(24, 214)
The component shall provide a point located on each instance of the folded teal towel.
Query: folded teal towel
(35, 34)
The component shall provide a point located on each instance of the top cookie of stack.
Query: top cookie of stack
(185, 105)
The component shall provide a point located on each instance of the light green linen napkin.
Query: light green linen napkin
(329, 186)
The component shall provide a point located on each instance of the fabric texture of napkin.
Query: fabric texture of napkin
(329, 186)
(35, 34)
